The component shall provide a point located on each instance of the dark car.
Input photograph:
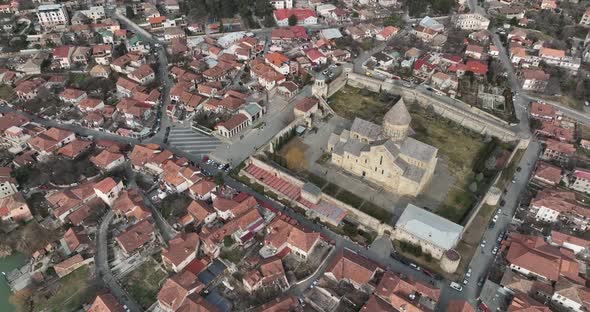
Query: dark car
(518, 169)
(502, 203)
(480, 281)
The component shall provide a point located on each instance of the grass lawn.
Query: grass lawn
(459, 149)
(6, 93)
(349, 103)
(144, 282)
(71, 292)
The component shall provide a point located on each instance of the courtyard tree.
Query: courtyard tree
(292, 20)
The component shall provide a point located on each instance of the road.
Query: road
(102, 265)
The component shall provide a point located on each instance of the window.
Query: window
(381, 161)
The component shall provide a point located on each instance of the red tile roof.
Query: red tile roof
(135, 236)
(349, 265)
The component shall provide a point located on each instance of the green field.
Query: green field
(70, 293)
(349, 102)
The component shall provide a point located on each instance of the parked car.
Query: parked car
(415, 266)
(468, 274)
(495, 250)
(480, 281)
(456, 286)
(483, 243)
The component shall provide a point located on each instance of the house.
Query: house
(304, 16)
(64, 202)
(405, 294)
(108, 190)
(542, 111)
(28, 89)
(7, 182)
(203, 189)
(473, 21)
(386, 33)
(143, 75)
(306, 107)
(72, 96)
(48, 141)
(316, 57)
(474, 51)
(581, 180)
(174, 32)
(278, 62)
(106, 303)
(69, 265)
(75, 239)
(547, 173)
(570, 242)
(283, 235)
(180, 293)
(181, 251)
(532, 256)
(533, 79)
(434, 234)
(135, 237)
(14, 208)
(282, 4)
(52, 16)
(266, 75)
(558, 151)
(353, 268)
(551, 206)
(129, 206)
(100, 71)
(80, 55)
(90, 105)
(125, 87)
(62, 56)
(271, 273)
(107, 160)
(74, 149)
(232, 126)
(287, 89)
(198, 213)
(548, 4)
(571, 296)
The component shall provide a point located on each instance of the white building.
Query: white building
(52, 16)
(571, 296)
(282, 4)
(471, 21)
(108, 190)
(95, 13)
(581, 181)
(432, 233)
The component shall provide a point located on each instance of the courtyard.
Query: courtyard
(145, 281)
(462, 154)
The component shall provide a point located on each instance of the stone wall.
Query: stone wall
(352, 213)
(455, 110)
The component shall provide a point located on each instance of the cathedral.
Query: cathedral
(385, 155)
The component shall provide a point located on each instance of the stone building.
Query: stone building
(385, 155)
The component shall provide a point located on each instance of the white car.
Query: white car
(495, 218)
(468, 274)
(483, 243)
(456, 286)
(495, 250)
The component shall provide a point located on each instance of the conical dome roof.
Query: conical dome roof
(398, 114)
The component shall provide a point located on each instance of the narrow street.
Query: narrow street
(102, 265)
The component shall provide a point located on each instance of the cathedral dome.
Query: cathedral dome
(398, 115)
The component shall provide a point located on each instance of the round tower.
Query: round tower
(450, 261)
(320, 87)
(396, 123)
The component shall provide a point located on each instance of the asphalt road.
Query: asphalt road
(103, 269)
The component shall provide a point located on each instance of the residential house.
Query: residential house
(178, 291)
(533, 79)
(304, 16)
(181, 251)
(282, 235)
(353, 268)
(108, 190)
(135, 237)
(547, 173)
(14, 208)
(558, 151)
(581, 180)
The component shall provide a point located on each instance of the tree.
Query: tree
(228, 241)
(292, 20)
(394, 20)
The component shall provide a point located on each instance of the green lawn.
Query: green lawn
(459, 148)
(349, 103)
(144, 282)
(71, 292)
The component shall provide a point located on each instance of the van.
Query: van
(456, 286)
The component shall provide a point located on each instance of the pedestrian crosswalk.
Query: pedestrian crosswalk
(192, 141)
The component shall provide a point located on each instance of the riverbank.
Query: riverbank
(7, 264)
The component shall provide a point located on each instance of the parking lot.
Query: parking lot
(192, 141)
